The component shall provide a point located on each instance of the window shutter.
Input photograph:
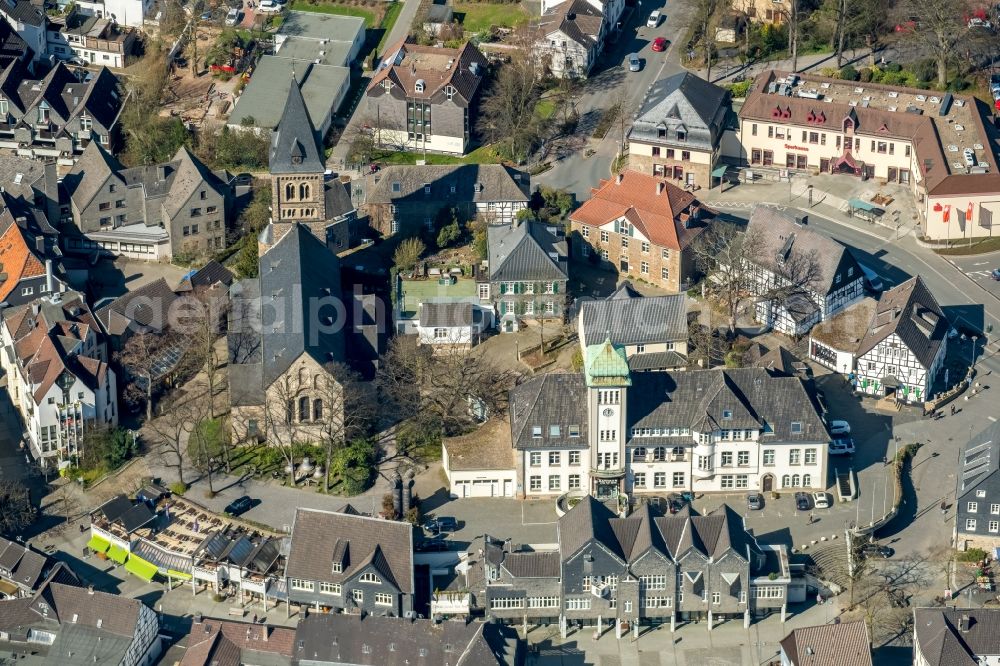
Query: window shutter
(555, 287)
(517, 287)
(503, 288)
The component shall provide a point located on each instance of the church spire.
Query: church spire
(294, 144)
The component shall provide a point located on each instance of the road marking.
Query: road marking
(980, 263)
(992, 418)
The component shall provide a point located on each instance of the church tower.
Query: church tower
(297, 168)
(608, 379)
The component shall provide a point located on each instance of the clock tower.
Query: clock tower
(608, 379)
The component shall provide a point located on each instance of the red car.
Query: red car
(660, 44)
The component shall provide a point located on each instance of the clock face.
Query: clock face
(609, 412)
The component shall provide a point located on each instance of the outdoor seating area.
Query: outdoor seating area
(187, 528)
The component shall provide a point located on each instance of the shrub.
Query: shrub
(894, 67)
(925, 70)
(830, 72)
(741, 88)
(865, 75)
(178, 488)
(408, 253)
(957, 84)
(972, 555)
(577, 360)
(848, 73)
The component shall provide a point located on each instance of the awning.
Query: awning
(179, 575)
(719, 172)
(98, 544)
(890, 381)
(141, 568)
(860, 205)
(117, 554)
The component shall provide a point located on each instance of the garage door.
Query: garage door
(462, 488)
(484, 487)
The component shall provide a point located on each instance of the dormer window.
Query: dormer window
(387, 84)
(338, 567)
(449, 91)
(396, 188)
(682, 135)
(796, 427)
(419, 86)
(370, 578)
(427, 188)
(727, 414)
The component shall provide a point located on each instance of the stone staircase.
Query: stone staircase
(830, 563)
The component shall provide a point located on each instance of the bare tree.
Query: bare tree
(170, 432)
(16, 508)
(704, 12)
(439, 389)
(720, 253)
(942, 27)
(142, 358)
(199, 320)
(507, 113)
(349, 410)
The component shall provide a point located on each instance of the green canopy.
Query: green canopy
(141, 568)
(179, 575)
(719, 172)
(861, 205)
(117, 554)
(97, 544)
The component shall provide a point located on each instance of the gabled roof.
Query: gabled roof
(405, 65)
(294, 145)
(526, 251)
(91, 171)
(942, 641)
(26, 565)
(980, 460)
(683, 101)
(386, 545)
(209, 275)
(23, 11)
(550, 399)
(17, 260)
(778, 233)
(191, 174)
(402, 183)
(577, 19)
(147, 306)
(631, 319)
(448, 315)
(214, 642)
(712, 535)
(911, 312)
(130, 515)
(657, 208)
(301, 272)
(588, 521)
(844, 644)
(12, 47)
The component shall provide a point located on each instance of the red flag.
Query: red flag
(968, 212)
(947, 214)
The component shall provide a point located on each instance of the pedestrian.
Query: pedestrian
(255, 618)
(953, 410)
(810, 518)
(944, 508)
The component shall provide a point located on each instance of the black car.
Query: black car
(755, 501)
(446, 524)
(239, 505)
(995, 274)
(875, 550)
(802, 501)
(432, 546)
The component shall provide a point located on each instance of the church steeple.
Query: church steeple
(294, 144)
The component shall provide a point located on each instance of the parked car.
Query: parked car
(78, 61)
(841, 446)
(269, 7)
(839, 427)
(446, 524)
(239, 506)
(432, 546)
(233, 17)
(654, 19)
(802, 501)
(821, 500)
(980, 23)
(995, 274)
(755, 501)
(875, 550)
(660, 44)
(634, 64)
(206, 16)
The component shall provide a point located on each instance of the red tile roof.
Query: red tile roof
(17, 260)
(654, 205)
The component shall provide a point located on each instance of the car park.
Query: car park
(839, 427)
(755, 501)
(634, 64)
(660, 44)
(653, 20)
(841, 446)
(821, 500)
(802, 501)
(239, 506)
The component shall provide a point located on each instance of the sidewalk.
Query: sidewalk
(725, 71)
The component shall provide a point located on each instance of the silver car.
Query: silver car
(634, 64)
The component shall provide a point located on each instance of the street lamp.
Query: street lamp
(973, 338)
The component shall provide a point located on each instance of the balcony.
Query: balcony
(607, 472)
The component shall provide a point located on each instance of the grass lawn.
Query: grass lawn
(481, 155)
(960, 248)
(388, 20)
(213, 434)
(334, 8)
(545, 108)
(479, 16)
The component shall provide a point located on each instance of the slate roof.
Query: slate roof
(23, 11)
(57, 606)
(778, 232)
(214, 642)
(777, 361)
(549, 399)
(386, 544)
(12, 47)
(295, 147)
(674, 535)
(682, 101)
(131, 515)
(911, 312)
(700, 399)
(980, 460)
(448, 315)
(145, 307)
(658, 209)
(477, 183)
(337, 196)
(844, 644)
(404, 64)
(942, 643)
(577, 19)
(91, 171)
(209, 275)
(371, 640)
(26, 565)
(301, 271)
(635, 320)
(532, 564)
(523, 252)
(668, 360)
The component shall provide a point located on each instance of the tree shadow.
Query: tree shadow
(88, 573)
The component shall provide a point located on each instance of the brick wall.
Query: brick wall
(678, 264)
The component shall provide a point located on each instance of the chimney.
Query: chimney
(619, 178)
(40, 244)
(660, 186)
(963, 623)
(161, 171)
(264, 631)
(90, 590)
(49, 278)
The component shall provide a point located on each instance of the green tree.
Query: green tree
(354, 464)
(480, 238)
(107, 447)
(408, 253)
